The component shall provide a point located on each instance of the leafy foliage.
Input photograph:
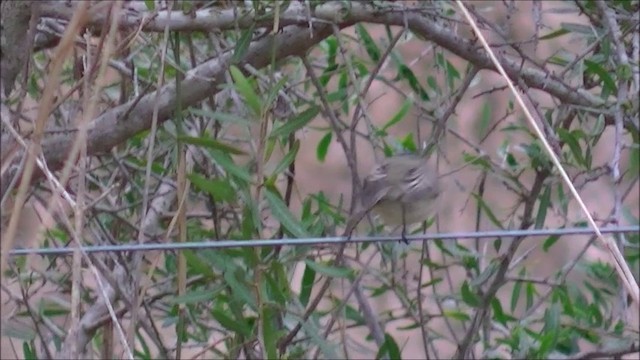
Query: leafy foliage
(385, 89)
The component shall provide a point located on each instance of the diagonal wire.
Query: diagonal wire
(322, 240)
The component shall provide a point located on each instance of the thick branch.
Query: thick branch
(122, 122)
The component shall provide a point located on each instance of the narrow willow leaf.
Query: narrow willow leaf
(283, 215)
(609, 85)
(273, 91)
(229, 166)
(482, 124)
(222, 117)
(244, 87)
(549, 242)
(323, 146)
(287, 159)
(296, 123)
(389, 349)
(487, 210)
(515, 294)
(194, 297)
(402, 112)
(343, 87)
(404, 72)
(369, 45)
(229, 323)
(211, 144)
(242, 45)
(308, 279)
(555, 34)
(270, 331)
(241, 292)
(219, 189)
(329, 270)
(571, 140)
(545, 200)
(468, 296)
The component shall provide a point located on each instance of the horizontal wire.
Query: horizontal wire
(322, 240)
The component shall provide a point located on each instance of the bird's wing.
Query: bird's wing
(374, 187)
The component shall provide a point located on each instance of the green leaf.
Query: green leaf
(278, 282)
(370, 46)
(404, 72)
(288, 158)
(548, 242)
(244, 87)
(241, 292)
(530, 292)
(227, 164)
(487, 210)
(571, 140)
(281, 212)
(219, 189)
(476, 160)
(328, 72)
(306, 286)
(456, 315)
(332, 51)
(343, 87)
(554, 34)
(389, 349)
(404, 108)
(498, 312)
(515, 294)
(484, 121)
(150, 4)
(452, 74)
(242, 45)
(468, 296)
(545, 200)
(338, 95)
(222, 117)
(354, 315)
(235, 325)
(609, 85)
(577, 28)
(408, 144)
(270, 331)
(552, 318)
(624, 72)
(296, 123)
(29, 351)
(323, 146)
(194, 297)
(197, 266)
(18, 330)
(634, 162)
(330, 270)
(250, 221)
(274, 89)
(433, 84)
(211, 144)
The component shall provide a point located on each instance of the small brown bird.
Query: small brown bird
(402, 190)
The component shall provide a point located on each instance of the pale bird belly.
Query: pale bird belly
(391, 212)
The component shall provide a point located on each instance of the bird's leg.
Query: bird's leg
(404, 227)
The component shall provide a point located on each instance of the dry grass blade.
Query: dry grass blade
(618, 259)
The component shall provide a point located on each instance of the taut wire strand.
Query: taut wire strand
(320, 240)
